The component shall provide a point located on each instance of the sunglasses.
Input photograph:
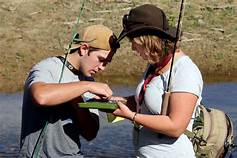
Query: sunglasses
(114, 45)
(125, 21)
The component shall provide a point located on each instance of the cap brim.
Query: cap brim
(148, 30)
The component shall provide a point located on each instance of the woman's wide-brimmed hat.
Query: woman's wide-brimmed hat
(147, 20)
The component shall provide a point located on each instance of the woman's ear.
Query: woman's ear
(84, 49)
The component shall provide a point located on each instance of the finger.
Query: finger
(120, 104)
(108, 94)
(109, 97)
(118, 98)
(116, 112)
(103, 94)
(108, 90)
(106, 97)
(112, 99)
(96, 97)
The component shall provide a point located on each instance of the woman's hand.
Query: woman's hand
(123, 111)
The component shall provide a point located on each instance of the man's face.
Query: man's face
(93, 62)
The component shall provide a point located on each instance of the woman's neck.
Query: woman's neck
(166, 64)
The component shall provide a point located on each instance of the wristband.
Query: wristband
(134, 117)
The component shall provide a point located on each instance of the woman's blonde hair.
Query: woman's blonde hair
(156, 48)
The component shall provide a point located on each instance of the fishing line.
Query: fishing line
(39, 142)
(167, 93)
(74, 33)
(181, 13)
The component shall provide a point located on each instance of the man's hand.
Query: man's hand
(102, 90)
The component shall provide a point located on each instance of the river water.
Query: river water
(113, 140)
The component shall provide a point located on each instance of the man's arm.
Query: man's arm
(88, 123)
(51, 94)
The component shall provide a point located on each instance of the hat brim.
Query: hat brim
(149, 30)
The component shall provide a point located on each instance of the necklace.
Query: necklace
(69, 66)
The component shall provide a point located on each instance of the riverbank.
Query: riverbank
(32, 30)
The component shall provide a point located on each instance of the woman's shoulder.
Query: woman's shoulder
(185, 63)
(186, 69)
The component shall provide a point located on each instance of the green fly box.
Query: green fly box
(107, 107)
(99, 105)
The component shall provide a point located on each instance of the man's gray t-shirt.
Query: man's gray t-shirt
(62, 136)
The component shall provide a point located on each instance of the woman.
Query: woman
(158, 135)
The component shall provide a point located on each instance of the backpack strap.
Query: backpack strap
(189, 134)
(197, 143)
(229, 143)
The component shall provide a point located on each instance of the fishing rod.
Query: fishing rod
(177, 36)
(41, 137)
(73, 38)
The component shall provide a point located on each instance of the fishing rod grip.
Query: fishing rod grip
(165, 103)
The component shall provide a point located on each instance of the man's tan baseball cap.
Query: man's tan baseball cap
(97, 36)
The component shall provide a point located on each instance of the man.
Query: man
(51, 119)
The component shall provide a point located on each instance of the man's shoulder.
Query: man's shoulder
(49, 62)
(46, 70)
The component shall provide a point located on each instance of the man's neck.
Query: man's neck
(74, 59)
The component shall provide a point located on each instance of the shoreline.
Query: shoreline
(118, 80)
(209, 37)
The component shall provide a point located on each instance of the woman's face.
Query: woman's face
(139, 49)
